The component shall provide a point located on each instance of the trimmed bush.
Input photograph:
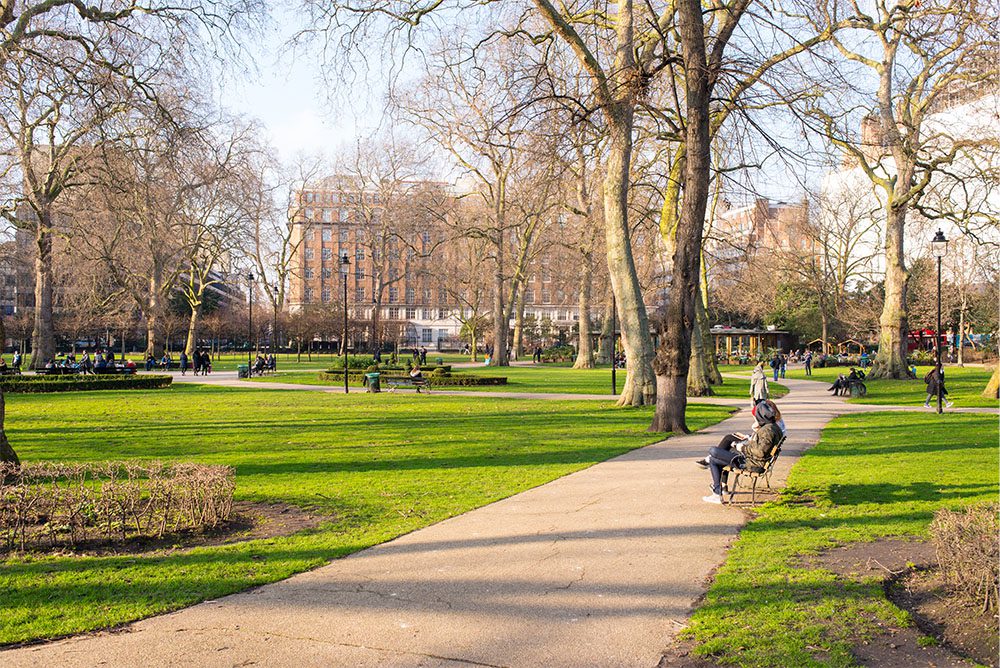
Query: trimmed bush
(455, 380)
(558, 354)
(49, 505)
(359, 362)
(967, 550)
(31, 384)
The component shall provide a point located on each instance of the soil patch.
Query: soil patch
(946, 635)
(249, 521)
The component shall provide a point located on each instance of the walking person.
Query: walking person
(783, 362)
(935, 382)
(775, 366)
(423, 356)
(196, 361)
(758, 384)
(809, 363)
(184, 362)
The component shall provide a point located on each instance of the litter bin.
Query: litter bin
(439, 360)
(243, 371)
(372, 382)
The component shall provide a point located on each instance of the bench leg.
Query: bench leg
(753, 491)
(733, 484)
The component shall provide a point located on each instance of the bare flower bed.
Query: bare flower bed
(53, 505)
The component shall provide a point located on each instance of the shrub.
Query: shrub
(31, 384)
(439, 373)
(353, 362)
(967, 550)
(433, 378)
(558, 353)
(49, 504)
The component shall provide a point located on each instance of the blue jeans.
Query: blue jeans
(776, 373)
(717, 459)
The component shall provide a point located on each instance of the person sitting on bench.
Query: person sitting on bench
(754, 450)
(417, 376)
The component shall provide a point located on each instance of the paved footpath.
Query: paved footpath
(599, 568)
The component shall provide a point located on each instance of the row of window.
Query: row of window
(336, 198)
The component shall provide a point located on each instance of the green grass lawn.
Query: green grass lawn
(377, 465)
(550, 379)
(965, 386)
(870, 476)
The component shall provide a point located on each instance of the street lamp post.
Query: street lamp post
(939, 246)
(614, 356)
(250, 324)
(274, 327)
(345, 264)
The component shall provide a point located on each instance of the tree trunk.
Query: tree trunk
(891, 359)
(961, 331)
(376, 315)
(7, 453)
(698, 382)
(605, 343)
(500, 320)
(474, 339)
(992, 390)
(674, 355)
(640, 386)
(154, 342)
(585, 347)
(712, 362)
(192, 333)
(517, 344)
(43, 342)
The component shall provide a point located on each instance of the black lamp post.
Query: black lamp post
(274, 327)
(939, 246)
(250, 324)
(345, 264)
(614, 357)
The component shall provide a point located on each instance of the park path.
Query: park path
(598, 568)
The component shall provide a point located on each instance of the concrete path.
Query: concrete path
(599, 568)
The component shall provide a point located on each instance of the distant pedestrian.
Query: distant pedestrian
(784, 363)
(538, 355)
(809, 363)
(423, 356)
(377, 357)
(935, 385)
(196, 360)
(184, 362)
(775, 365)
(758, 384)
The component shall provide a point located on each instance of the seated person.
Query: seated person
(130, 365)
(755, 450)
(415, 372)
(839, 386)
(3, 364)
(101, 363)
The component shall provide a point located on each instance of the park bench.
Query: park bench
(58, 371)
(10, 371)
(114, 370)
(754, 473)
(417, 383)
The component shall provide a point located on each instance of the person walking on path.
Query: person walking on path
(758, 384)
(184, 362)
(775, 366)
(537, 359)
(935, 383)
(196, 361)
(809, 363)
(784, 362)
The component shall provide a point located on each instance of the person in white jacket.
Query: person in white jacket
(758, 384)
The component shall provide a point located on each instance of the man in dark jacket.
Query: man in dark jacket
(755, 451)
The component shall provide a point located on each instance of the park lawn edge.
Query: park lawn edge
(767, 606)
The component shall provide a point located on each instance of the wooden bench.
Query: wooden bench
(755, 473)
(417, 383)
(10, 371)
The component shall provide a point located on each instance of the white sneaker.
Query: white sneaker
(949, 404)
(712, 498)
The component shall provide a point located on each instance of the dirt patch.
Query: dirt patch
(250, 521)
(959, 625)
(946, 634)
(678, 655)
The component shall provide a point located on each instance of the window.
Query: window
(310, 253)
(546, 297)
(427, 295)
(529, 295)
(309, 197)
(326, 295)
(310, 234)
(425, 237)
(359, 254)
(393, 295)
(327, 234)
(411, 313)
(308, 213)
(393, 311)
(426, 314)
(442, 313)
(426, 335)
(327, 253)
(359, 294)
(309, 296)
(442, 296)
(343, 236)
(327, 273)
(359, 273)
(411, 254)
(308, 272)
(344, 215)
(393, 274)
(328, 215)
(411, 295)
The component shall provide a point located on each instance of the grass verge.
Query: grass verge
(377, 467)
(870, 476)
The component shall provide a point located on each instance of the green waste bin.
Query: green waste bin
(440, 361)
(243, 371)
(372, 382)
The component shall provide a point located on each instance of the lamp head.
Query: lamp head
(939, 245)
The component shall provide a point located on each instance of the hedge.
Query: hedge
(435, 381)
(33, 384)
(388, 368)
